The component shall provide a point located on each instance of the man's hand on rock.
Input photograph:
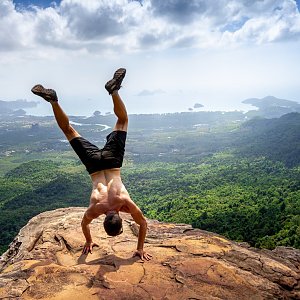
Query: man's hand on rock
(88, 247)
(142, 254)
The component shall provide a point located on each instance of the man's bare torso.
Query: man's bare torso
(108, 193)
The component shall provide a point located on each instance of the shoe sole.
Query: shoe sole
(114, 83)
(120, 74)
(47, 94)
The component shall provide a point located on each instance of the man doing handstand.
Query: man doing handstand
(109, 195)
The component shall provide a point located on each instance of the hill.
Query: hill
(278, 139)
(14, 108)
(271, 107)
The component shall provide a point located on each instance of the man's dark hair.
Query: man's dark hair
(113, 224)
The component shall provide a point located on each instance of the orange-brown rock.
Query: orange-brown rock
(45, 262)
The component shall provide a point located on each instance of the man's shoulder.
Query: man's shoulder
(130, 205)
(94, 210)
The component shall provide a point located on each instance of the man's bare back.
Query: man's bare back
(108, 192)
(109, 195)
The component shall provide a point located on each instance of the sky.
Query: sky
(176, 52)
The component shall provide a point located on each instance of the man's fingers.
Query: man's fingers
(143, 255)
(89, 248)
(86, 250)
(147, 256)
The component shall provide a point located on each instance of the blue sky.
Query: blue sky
(41, 3)
(177, 52)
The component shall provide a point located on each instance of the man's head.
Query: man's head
(113, 224)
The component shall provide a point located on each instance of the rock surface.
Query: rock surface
(45, 262)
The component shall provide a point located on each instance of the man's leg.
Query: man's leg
(63, 122)
(120, 112)
(113, 86)
(61, 118)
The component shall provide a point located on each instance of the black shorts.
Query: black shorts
(95, 159)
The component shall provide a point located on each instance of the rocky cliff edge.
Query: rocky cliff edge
(45, 262)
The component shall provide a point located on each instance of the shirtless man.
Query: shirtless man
(109, 195)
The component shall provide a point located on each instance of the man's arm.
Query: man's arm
(139, 218)
(86, 220)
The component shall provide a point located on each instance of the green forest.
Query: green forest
(239, 180)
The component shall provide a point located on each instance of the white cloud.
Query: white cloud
(220, 51)
(123, 25)
(278, 23)
(11, 33)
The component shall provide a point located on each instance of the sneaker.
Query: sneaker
(48, 94)
(115, 83)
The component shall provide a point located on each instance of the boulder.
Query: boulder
(45, 261)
